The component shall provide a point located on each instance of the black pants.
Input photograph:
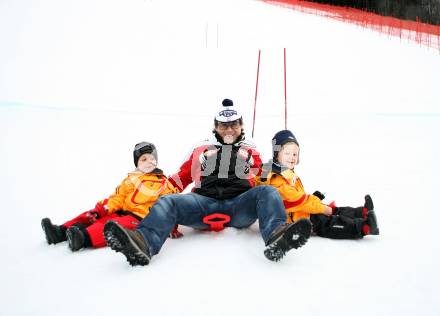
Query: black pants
(346, 223)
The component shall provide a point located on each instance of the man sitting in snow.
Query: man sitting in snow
(223, 170)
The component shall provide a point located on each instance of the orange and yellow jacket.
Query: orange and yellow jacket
(139, 191)
(298, 204)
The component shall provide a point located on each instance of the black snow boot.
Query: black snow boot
(286, 237)
(54, 233)
(372, 223)
(368, 203)
(130, 242)
(75, 238)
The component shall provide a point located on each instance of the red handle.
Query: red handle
(216, 221)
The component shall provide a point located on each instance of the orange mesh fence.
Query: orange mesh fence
(422, 33)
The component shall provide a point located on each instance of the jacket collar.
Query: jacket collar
(156, 171)
(271, 168)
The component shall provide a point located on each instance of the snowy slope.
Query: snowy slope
(82, 81)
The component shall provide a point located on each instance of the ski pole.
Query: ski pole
(256, 92)
(285, 92)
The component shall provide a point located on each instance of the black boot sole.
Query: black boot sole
(295, 236)
(119, 240)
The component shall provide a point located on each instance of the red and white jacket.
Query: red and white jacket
(224, 175)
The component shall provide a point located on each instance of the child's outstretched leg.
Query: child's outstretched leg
(81, 236)
(348, 222)
(83, 218)
(58, 233)
(352, 212)
(355, 212)
(54, 233)
(337, 226)
(95, 232)
(366, 212)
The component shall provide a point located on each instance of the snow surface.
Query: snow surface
(82, 81)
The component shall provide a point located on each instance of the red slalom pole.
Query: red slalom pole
(256, 92)
(285, 92)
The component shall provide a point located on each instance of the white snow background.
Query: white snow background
(82, 81)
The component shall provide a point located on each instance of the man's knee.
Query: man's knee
(267, 191)
(164, 205)
(168, 199)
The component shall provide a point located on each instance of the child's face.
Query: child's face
(288, 155)
(147, 163)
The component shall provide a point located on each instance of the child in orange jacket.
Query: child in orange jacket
(328, 220)
(128, 205)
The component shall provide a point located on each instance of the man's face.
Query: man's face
(229, 131)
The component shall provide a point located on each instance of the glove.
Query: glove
(92, 216)
(333, 205)
(246, 155)
(207, 153)
(319, 195)
(175, 233)
(99, 211)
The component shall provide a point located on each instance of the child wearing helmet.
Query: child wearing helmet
(327, 220)
(128, 205)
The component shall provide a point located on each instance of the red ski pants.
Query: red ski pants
(96, 229)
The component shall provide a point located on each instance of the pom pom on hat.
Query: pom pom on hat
(228, 112)
(227, 102)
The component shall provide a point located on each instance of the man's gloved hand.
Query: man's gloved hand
(246, 155)
(175, 233)
(207, 153)
(319, 195)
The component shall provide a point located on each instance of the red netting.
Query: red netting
(422, 33)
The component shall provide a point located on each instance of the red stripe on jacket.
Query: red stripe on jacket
(288, 204)
(190, 170)
(142, 183)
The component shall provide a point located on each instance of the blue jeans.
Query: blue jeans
(263, 203)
